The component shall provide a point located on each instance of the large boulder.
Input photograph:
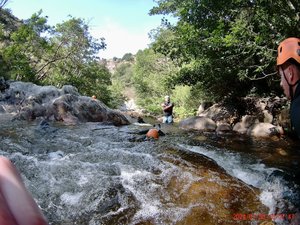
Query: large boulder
(265, 119)
(29, 101)
(85, 109)
(264, 130)
(251, 126)
(246, 122)
(217, 112)
(198, 123)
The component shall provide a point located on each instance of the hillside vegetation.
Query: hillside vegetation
(217, 51)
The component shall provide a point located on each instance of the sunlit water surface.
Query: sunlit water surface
(100, 174)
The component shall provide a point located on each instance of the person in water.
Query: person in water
(17, 207)
(288, 66)
(149, 134)
(168, 110)
(154, 133)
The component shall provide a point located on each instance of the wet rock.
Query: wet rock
(216, 112)
(263, 130)
(228, 194)
(69, 89)
(268, 117)
(251, 126)
(44, 128)
(3, 84)
(223, 128)
(198, 123)
(284, 119)
(2, 110)
(251, 110)
(246, 122)
(31, 101)
(44, 124)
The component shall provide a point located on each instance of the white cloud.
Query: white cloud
(120, 40)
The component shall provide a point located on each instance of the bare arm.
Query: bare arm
(167, 106)
(18, 205)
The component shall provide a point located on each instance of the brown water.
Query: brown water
(98, 174)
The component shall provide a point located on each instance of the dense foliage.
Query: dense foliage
(150, 72)
(151, 75)
(64, 54)
(226, 48)
(121, 80)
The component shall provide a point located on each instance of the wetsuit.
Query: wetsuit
(295, 112)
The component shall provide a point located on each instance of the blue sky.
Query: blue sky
(124, 24)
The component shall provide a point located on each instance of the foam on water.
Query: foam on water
(252, 173)
(95, 171)
(71, 198)
(151, 196)
(56, 155)
(82, 180)
(130, 179)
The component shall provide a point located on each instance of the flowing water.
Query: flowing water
(94, 173)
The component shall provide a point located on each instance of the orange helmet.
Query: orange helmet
(288, 49)
(152, 133)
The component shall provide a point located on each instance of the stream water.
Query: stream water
(94, 173)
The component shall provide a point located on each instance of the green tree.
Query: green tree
(72, 47)
(95, 79)
(117, 90)
(3, 3)
(122, 82)
(128, 57)
(151, 71)
(23, 47)
(186, 101)
(123, 73)
(227, 48)
(72, 60)
(65, 54)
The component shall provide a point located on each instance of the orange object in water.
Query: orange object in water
(94, 97)
(152, 133)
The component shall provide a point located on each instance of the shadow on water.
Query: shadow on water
(100, 174)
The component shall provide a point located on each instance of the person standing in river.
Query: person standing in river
(168, 110)
(288, 66)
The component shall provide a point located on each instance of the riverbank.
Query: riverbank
(251, 116)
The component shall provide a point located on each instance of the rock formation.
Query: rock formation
(29, 101)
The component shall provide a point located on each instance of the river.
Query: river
(96, 173)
